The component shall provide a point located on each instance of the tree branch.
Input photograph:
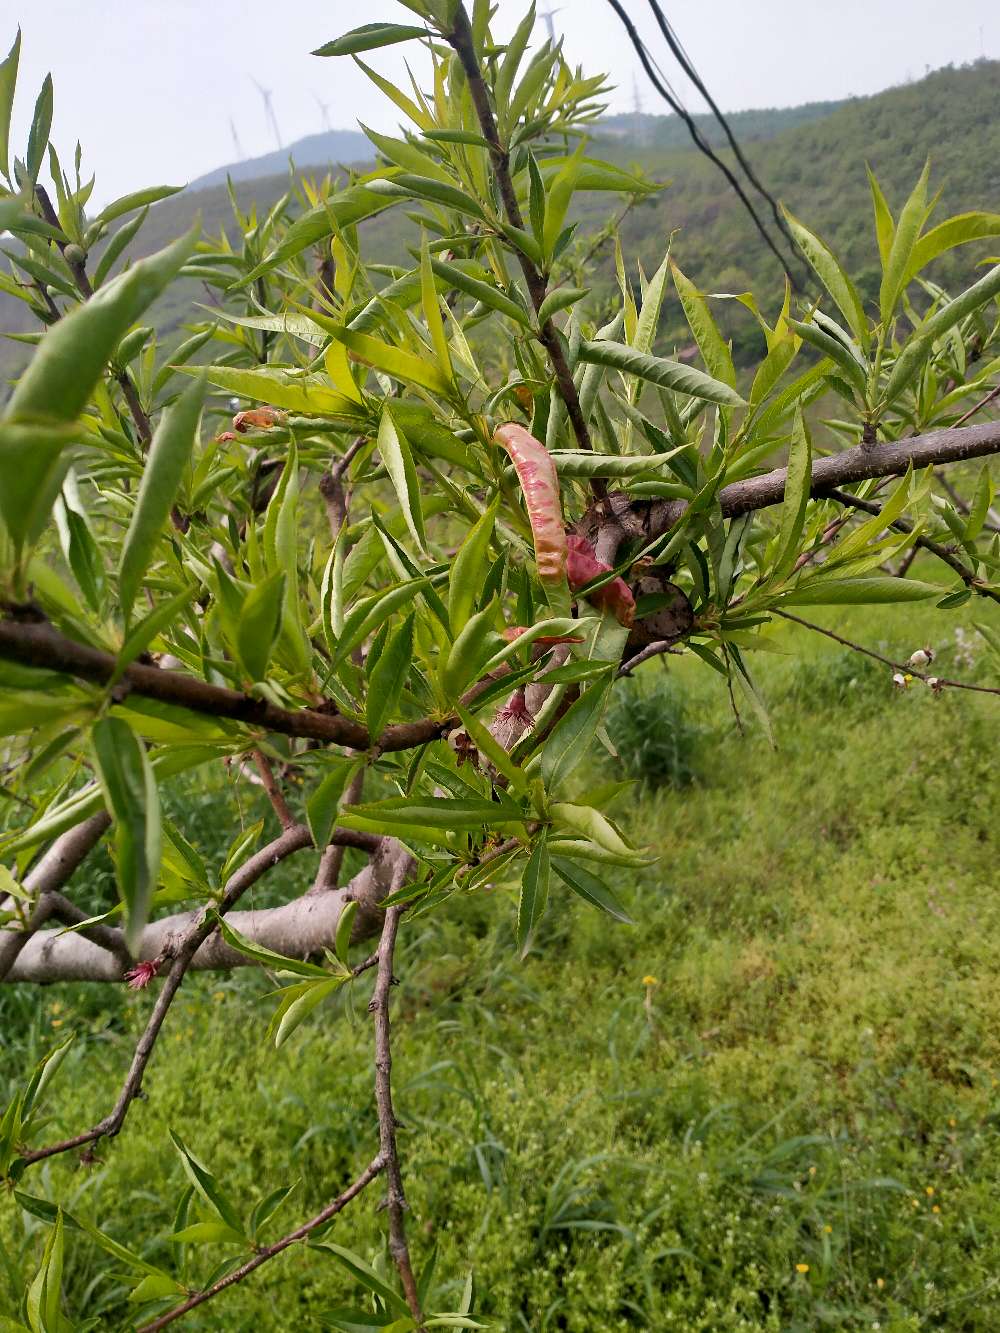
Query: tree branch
(387, 1123)
(925, 543)
(463, 42)
(269, 1251)
(298, 929)
(46, 878)
(291, 840)
(904, 668)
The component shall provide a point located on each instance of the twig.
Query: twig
(463, 42)
(396, 1198)
(926, 543)
(941, 682)
(269, 1251)
(290, 841)
(655, 649)
(78, 269)
(978, 407)
(274, 793)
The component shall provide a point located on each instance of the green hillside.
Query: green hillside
(811, 160)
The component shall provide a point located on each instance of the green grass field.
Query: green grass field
(795, 1127)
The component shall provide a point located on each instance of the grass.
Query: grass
(795, 1127)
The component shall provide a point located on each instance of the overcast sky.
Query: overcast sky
(150, 86)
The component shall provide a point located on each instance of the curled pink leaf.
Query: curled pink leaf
(259, 418)
(582, 565)
(537, 474)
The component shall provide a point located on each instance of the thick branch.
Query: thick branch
(269, 1251)
(46, 878)
(296, 929)
(37, 644)
(645, 520)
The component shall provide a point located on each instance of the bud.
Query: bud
(935, 684)
(900, 681)
(922, 657)
(75, 255)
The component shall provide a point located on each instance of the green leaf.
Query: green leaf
(280, 388)
(208, 1233)
(859, 592)
(368, 614)
(534, 893)
(649, 313)
(169, 452)
(129, 787)
(491, 749)
(560, 298)
(395, 454)
(326, 219)
(8, 82)
(42, 1300)
(368, 37)
(145, 631)
(958, 230)
(207, 1186)
(297, 1003)
(798, 482)
(64, 371)
(34, 460)
(345, 924)
(323, 804)
(405, 185)
(366, 1275)
(267, 957)
(658, 370)
(836, 351)
(392, 360)
(885, 227)
(435, 812)
(388, 677)
(833, 277)
(590, 888)
(572, 735)
(128, 203)
(432, 310)
(920, 345)
(260, 624)
(895, 276)
(980, 507)
(465, 581)
(472, 646)
(713, 347)
(485, 292)
(41, 124)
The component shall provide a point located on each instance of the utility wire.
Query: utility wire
(700, 142)
(687, 65)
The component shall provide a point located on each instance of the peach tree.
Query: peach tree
(461, 498)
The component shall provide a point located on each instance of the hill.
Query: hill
(810, 158)
(330, 147)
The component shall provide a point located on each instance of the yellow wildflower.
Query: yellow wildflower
(802, 1268)
(649, 981)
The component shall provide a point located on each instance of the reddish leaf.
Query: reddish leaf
(582, 565)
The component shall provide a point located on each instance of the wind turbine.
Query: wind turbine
(549, 16)
(324, 111)
(240, 155)
(269, 111)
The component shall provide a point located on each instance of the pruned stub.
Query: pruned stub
(663, 612)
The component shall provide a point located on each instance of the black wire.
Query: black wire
(686, 64)
(702, 145)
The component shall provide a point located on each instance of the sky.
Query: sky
(150, 87)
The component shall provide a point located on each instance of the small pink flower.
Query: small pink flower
(516, 710)
(142, 974)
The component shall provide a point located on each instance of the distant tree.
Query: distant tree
(453, 517)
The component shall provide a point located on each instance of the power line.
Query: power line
(661, 86)
(687, 65)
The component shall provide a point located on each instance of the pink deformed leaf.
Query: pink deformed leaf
(259, 418)
(582, 565)
(537, 474)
